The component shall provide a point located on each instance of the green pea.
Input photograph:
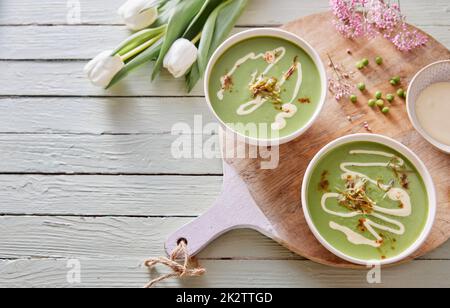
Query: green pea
(379, 60)
(390, 98)
(401, 93)
(385, 110)
(365, 61)
(372, 102)
(397, 79)
(380, 103)
(378, 94)
(361, 86)
(393, 82)
(360, 65)
(353, 98)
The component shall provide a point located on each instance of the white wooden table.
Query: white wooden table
(88, 175)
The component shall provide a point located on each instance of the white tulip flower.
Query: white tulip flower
(180, 57)
(138, 14)
(102, 69)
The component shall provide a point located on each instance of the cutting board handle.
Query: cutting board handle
(234, 209)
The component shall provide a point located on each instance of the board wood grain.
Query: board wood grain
(277, 192)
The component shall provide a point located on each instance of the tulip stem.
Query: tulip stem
(141, 48)
(197, 38)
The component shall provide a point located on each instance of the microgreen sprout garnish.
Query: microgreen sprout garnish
(354, 197)
(267, 88)
(292, 69)
(400, 172)
(395, 162)
(387, 188)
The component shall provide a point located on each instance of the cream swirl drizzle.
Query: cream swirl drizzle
(288, 110)
(394, 194)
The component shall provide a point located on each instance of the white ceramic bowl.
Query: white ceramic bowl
(412, 158)
(433, 73)
(278, 33)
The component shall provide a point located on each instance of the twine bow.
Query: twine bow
(189, 267)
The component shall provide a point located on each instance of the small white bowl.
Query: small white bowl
(433, 73)
(278, 33)
(423, 171)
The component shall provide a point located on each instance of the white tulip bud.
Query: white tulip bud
(180, 58)
(138, 14)
(102, 69)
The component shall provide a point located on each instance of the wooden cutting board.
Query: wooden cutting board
(269, 200)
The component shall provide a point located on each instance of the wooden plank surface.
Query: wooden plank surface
(99, 115)
(221, 273)
(107, 195)
(66, 78)
(73, 42)
(104, 154)
(259, 12)
(64, 143)
(126, 237)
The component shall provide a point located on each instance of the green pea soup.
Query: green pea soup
(390, 226)
(227, 99)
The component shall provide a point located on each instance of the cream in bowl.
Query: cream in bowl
(428, 103)
(367, 199)
(266, 85)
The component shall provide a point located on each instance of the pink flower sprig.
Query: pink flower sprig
(407, 40)
(367, 18)
(340, 82)
(349, 21)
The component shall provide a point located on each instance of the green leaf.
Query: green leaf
(165, 11)
(216, 30)
(225, 22)
(199, 21)
(138, 39)
(150, 54)
(182, 16)
(192, 77)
